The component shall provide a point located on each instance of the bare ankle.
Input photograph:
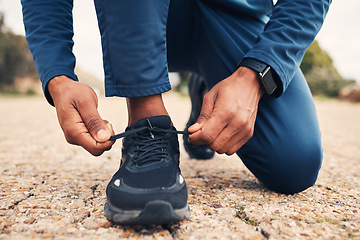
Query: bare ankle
(142, 107)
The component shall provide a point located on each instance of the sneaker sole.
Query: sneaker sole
(154, 212)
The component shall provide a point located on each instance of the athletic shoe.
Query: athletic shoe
(148, 188)
(196, 91)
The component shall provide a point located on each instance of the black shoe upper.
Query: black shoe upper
(149, 167)
(196, 90)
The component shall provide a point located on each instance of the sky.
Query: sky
(339, 36)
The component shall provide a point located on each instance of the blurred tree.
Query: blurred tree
(315, 57)
(320, 72)
(15, 57)
(1, 22)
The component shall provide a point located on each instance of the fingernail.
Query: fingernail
(194, 126)
(103, 135)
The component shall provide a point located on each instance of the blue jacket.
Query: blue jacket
(292, 27)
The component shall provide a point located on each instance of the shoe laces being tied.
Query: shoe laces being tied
(150, 142)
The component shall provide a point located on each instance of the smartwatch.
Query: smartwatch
(264, 71)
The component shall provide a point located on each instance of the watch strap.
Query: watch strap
(253, 64)
(264, 71)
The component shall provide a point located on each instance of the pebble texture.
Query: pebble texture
(52, 190)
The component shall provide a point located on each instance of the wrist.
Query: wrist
(56, 85)
(265, 74)
(252, 79)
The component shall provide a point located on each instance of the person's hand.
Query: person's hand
(228, 114)
(76, 107)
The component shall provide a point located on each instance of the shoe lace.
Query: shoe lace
(150, 145)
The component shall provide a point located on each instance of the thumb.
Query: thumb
(205, 114)
(102, 135)
(98, 128)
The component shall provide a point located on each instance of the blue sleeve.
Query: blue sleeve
(291, 29)
(49, 32)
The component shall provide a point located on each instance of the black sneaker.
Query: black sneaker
(196, 91)
(148, 188)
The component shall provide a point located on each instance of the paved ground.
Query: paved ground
(51, 190)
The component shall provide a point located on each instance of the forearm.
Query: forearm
(292, 28)
(49, 32)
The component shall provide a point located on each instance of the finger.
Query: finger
(227, 136)
(110, 127)
(210, 130)
(208, 107)
(210, 122)
(214, 126)
(238, 140)
(234, 140)
(238, 128)
(83, 138)
(95, 148)
(94, 123)
(243, 131)
(195, 127)
(197, 138)
(235, 147)
(76, 133)
(206, 111)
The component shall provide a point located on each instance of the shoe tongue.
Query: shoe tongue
(163, 122)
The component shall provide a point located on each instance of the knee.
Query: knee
(295, 170)
(288, 169)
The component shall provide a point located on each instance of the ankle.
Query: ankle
(142, 107)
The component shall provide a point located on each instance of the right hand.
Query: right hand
(228, 114)
(76, 107)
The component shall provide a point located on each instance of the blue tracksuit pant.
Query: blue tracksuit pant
(142, 40)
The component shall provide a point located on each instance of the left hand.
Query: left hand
(76, 107)
(228, 114)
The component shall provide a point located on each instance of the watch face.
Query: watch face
(268, 81)
(265, 72)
